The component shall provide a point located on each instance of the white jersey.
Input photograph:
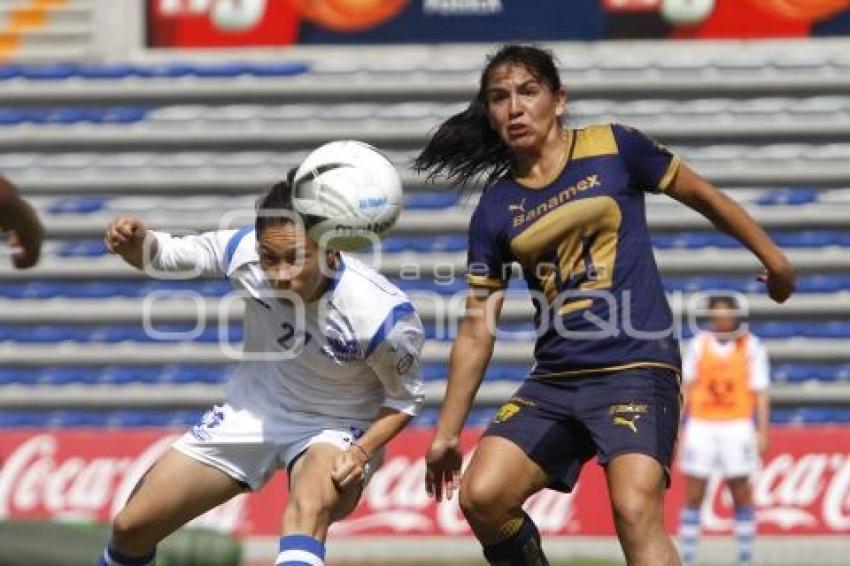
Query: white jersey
(346, 355)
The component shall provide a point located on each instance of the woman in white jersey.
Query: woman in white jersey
(331, 374)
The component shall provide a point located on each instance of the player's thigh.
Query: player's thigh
(633, 411)
(534, 435)
(501, 474)
(312, 492)
(175, 490)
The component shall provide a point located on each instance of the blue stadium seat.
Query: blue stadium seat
(506, 372)
(835, 329)
(426, 418)
(13, 116)
(481, 417)
(73, 115)
(68, 375)
(86, 248)
(21, 419)
(126, 375)
(184, 419)
(800, 372)
(131, 419)
(777, 330)
(19, 376)
(790, 196)
(194, 374)
(221, 70)
(278, 69)
(430, 201)
(53, 72)
(82, 205)
(807, 239)
(124, 115)
(111, 71)
(74, 419)
(434, 372)
(10, 72)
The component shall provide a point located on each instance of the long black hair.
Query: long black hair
(278, 198)
(465, 147)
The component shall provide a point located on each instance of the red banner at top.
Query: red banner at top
(803, 488)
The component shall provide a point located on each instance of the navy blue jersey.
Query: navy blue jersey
(585, 252)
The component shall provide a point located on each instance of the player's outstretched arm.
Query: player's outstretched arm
(469, 357)
(126, 237)
(19, 219)
(349, 468)
(727, 215)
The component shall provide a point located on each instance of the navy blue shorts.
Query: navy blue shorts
(561, 424)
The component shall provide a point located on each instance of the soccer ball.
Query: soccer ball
(348, 193)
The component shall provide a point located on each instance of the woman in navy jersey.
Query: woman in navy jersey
(567, 205)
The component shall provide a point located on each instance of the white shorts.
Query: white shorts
(250, 449)
(725, 447)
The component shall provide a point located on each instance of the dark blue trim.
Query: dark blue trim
(399, 311)
(233, 243)
(332, 284)
(125, 560)
(302, 542)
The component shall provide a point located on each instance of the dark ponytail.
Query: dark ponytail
(465, 148)
(278, 197)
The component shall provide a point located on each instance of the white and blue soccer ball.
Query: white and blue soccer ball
(348, 193)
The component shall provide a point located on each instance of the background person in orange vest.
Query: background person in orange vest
(726, 375)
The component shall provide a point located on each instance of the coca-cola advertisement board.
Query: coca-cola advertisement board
(235, 23)
(802, 489)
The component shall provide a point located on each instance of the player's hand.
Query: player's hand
(763, 441)
(443, 461)
(780, 282)
(349, 468)
(26, 246)
(126, 237)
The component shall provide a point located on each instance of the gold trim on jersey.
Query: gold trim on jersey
(482, 281)
(594, 141)
(665, 181)
(574, 372)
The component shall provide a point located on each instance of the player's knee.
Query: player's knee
(635, 509)
(129, 530)
(481, 501)
(304, 508)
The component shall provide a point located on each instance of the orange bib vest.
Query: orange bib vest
(721, 390)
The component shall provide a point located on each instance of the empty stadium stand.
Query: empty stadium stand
(188, 145)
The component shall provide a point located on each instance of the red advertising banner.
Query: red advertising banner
(246, 23)
(803, 488)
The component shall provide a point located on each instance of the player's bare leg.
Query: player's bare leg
(636, 483)
(314, 503)
(495, 485)
(745, 518)
(174, 491)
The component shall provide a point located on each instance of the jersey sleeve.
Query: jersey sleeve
(651, 165)
(202, 254)
(759, 365)
(486, 262)
(396, 360)
(689, 361)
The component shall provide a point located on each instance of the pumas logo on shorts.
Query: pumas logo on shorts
(627, 415)
(511, 408)
(506, 411)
